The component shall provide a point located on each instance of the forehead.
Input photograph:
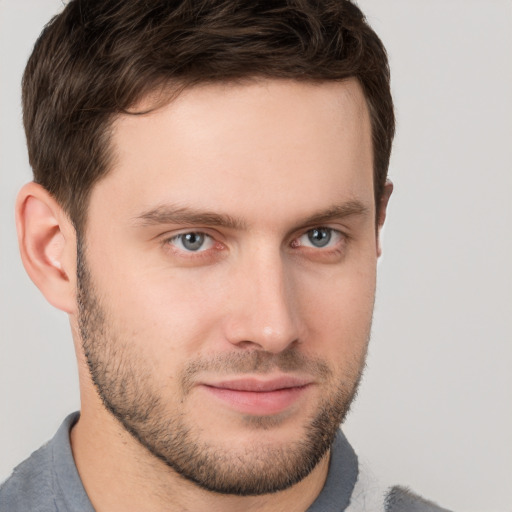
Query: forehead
(263, 146)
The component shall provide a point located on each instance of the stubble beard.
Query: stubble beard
(128, 390)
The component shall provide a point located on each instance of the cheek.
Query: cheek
(177, 313)
(338, 312)
(169, 313)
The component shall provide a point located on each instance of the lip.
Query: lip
(259, 397)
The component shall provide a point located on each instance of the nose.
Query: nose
(264, 306)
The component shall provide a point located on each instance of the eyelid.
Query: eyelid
(183, 229)
(175, 233)
(186, 257)
(338, 237)
(209, 242)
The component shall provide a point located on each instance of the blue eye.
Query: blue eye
(192, 242)
(320, 238)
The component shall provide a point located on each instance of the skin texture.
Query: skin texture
(158, 328)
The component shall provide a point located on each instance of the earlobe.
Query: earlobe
(46, 239)
(383, 206)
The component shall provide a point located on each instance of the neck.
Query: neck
(102, 448)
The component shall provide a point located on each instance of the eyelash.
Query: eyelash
(181, 236)
(219, 246)
(332, 233)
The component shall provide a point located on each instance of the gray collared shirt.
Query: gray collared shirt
(48, 481)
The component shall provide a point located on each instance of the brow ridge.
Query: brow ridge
(169, 214)
(347, 209)
(188, 216)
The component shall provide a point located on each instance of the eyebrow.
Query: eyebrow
(340, 211)
(188, 216)
(169, 214)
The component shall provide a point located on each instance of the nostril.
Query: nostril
(246, 344)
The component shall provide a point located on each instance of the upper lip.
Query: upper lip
(260, 385)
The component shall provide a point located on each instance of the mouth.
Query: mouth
(259, 397)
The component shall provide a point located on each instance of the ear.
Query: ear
(47, 242)
(381, 217)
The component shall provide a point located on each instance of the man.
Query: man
(210, 185)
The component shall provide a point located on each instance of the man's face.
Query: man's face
(227, 278)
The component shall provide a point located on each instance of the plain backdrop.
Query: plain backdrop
(434, 410)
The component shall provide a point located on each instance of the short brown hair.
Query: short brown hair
(98, 58)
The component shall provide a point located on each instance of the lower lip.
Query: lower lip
(259, 403)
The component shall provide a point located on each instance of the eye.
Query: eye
(319, 238)
(192, 242)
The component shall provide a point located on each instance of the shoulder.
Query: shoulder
(48, 480)
(30, 484)
(371, 493)
(401, 499)
(366, 491)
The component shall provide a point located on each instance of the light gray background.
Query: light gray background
(434, 411)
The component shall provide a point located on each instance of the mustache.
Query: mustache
(259, 362)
